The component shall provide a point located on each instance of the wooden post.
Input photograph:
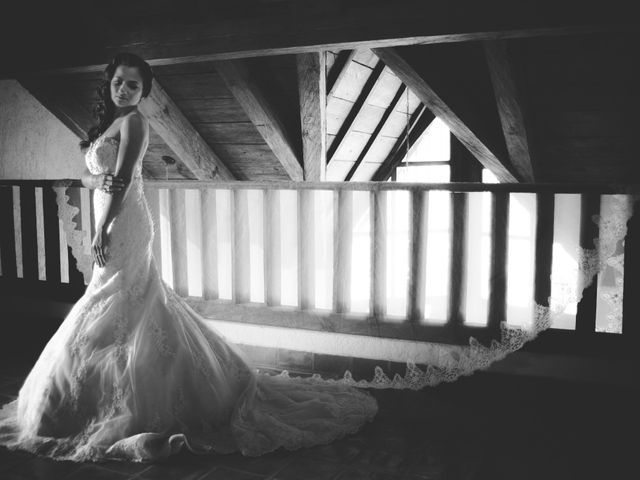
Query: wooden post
(544, 247)
(378, 254)
(498, 272)
(209, 244)
(306, 248)
(586, 314)
(342, 240)
(28, 226)
(313, 116)
(178, 223)
(240, 245)
(457, 262)
(417, 255)
(272, 262)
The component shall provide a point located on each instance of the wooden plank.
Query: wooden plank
(178, 225)
(544, 247)
(508, 100)
(306, 248)
(338, 70)
(498, 272)
(209, 244)
(418, 123)
(378, 202)
(170, 123)
(586, 314)
(272, 247)
(7, 237)
(376, 132)
(312, 90)
(342, 242)
(418, 216)
(441, 109)
(260, 111)
(347, 125)
(240, 241)
(458, 260)
(329, 25)
(29, 240)
(51, 235)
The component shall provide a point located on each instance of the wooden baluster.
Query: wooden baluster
(7, 237)
(51, 235)
(272, 250)
(586, 314)
(240, 246)
(28, 228)
(306, 244)
(378, 202)
(178, 223)
(418, 213)
(42, 266)
(544, 247)
(209, 244)
(498, 272)
(342, 241)
(458, 259)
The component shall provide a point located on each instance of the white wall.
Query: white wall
(34, 144)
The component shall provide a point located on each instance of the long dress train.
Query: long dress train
(134, 373)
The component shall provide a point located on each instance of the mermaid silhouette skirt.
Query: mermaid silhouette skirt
(133, 373)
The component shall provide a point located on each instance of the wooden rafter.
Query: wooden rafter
(339, 25)
(260, 111)
(338, 71)
(364, 95)
(420, 120)
(376, 132)
(53, 95)
(179, 134)
(512, 117)
(313, 114)
(407, 74)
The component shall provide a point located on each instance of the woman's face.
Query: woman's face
(126, 86)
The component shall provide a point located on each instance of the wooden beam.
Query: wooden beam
(312, 90)
(177, 132)
(420, 120)
(327, 25)
(259, 110)
(376, 132)
(510, 109)
(52, 93)
(338, 71)
(440, 108)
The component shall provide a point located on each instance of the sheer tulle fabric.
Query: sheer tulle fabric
(134, 373)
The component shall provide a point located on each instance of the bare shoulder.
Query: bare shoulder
(135, 123)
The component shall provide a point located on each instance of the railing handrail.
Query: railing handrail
(610, 188)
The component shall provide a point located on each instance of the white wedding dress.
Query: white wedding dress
(134, 373)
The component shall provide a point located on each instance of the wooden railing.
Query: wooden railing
(192, 216)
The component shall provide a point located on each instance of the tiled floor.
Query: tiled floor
(487, 426)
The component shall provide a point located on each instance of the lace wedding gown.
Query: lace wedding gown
(134, 373)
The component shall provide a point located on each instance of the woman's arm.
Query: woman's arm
(133, 134)
(107, 182)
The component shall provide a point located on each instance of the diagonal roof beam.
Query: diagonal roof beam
(338, 71)
(259, 110)
(365, 94)
(512, 116)
(179, 134)
(440, 108)
(376, 132)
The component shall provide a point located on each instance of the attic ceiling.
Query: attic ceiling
(549, 99)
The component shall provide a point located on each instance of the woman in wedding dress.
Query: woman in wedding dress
(133, 372)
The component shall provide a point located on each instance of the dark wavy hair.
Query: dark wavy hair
(104, 109)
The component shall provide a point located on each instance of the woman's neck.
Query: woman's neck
(122, 111)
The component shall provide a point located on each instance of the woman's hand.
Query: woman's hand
(108, 183)
(98, 247)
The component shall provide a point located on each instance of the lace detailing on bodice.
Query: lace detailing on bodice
(102, 157)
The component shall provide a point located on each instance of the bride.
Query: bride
(133, 373)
